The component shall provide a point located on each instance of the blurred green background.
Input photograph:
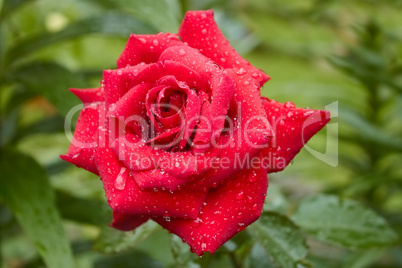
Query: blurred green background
(343, 55)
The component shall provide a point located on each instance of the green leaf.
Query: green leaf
(83, 210)
(281, 238)
(112, 241)
(258, 258)
(343, 222)
(26, 191)
(133, 259)
(52, 81)
(364, 259)
(164, 15)
(181, 253)
(8, 6)
(110, 24)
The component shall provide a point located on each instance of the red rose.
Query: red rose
(180, 134)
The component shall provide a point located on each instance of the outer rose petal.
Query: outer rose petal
(200, 31)
(292, 127)
(89, 95)
(126, 222)
(227, 210)
(146, 48)
(86, 137)
(126, 197)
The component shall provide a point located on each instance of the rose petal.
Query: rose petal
(132, 103)
(292, 127)
(118, 82)
(248, 135)
(125, 196)
(167, 139)
(126, 222)
(89, 95)
(221, 88)
(200, 31)
(228, 209)
(146, 48)
(178, 164)
(86, 137)
(159, 179)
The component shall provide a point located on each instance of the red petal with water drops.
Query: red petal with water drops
(131, 104)
(146, 48)
(125, 196)
(200, 31)
(89, 95)
(227, 210)
(157, 178)
(251, 131)
(292, 128)
(85, 139)
(221, 87)
(127, 222)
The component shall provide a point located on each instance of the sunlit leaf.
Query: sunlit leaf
(343, 222)
(112, 240)
(26, 191)
(281, 238)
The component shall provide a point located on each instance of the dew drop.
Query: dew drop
(241, 71)
(119, 72)
(240, 195)
(255, 75)
(182, 52)
(155, 42)
(246, 83)
(120, 182)
(197, 222)
(204, 31)
(289, 104)
(142, 40)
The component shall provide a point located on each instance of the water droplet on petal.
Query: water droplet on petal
(182, 52)
(204, 31)
(120, 182)
(197, 222)
(241, 71)
(155, 42)
(289, 104)
(240, 195)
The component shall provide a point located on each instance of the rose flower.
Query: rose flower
(180, 134)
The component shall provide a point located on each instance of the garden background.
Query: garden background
(340, 209)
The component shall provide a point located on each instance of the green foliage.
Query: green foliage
(50, 80)
(281, 238)
(343, 222)
(112, 240)
(317, 52)
(26, 191)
